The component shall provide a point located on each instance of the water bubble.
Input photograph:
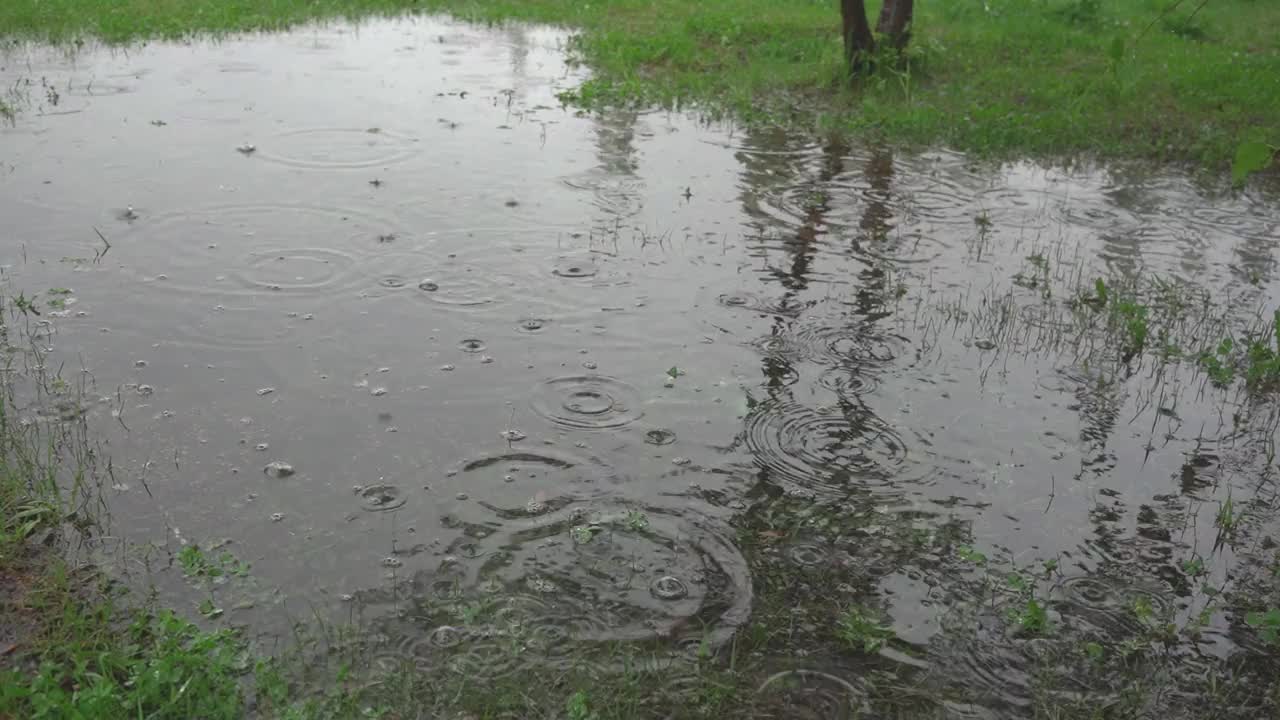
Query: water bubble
(512, 435)
(277, 517)
(680, 461)
(428, 286)
(381, 498)
(261, 447)
(574, 269)
(659, 436)
(391, 562)
(984, 344)
(448, 367)
(262, 392)
(145, 390)
(486, 359)
(378, 391)
(589, 364)
(668, 587)
(278, 469)
(139, 363)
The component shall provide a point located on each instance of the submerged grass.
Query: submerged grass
(1156, 79)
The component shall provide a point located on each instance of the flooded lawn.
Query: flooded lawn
(380, 332)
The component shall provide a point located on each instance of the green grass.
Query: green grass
(1001, 77)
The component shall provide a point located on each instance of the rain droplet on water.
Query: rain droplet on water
(668, 587)
(278, 469)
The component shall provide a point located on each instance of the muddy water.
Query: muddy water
(370, 305)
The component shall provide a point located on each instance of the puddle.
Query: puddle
(696, 373)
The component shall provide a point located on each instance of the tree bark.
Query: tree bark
(895, 22)
(859, 43)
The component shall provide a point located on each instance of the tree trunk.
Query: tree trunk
(895, 22)
(859, 43)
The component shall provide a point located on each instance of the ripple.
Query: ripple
(463, 284)
(1116, 608)
(337, 148)
(807, 555)
(847, 382)
(848, 345)
(810, 695)
(301, 270)
(381, 498)
(659, 436)
(757, 303)
(635, 573)
(825, 452)
(549, 479)
(587, 402)
(574, 269)
(941, 204)
(617, 196)
(996, 669)
(532, 325)
(251, 249)
(780, 346)
(472, 345)
(97, 87)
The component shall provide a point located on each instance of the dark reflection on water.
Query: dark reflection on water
(562, 380)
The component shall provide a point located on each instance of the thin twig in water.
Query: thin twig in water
(97, 256)
(1053, 491)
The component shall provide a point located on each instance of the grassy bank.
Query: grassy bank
(1156, 79)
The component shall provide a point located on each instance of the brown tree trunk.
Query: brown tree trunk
(895, 22)
(859, 43)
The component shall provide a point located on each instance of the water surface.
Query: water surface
(630, 376)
